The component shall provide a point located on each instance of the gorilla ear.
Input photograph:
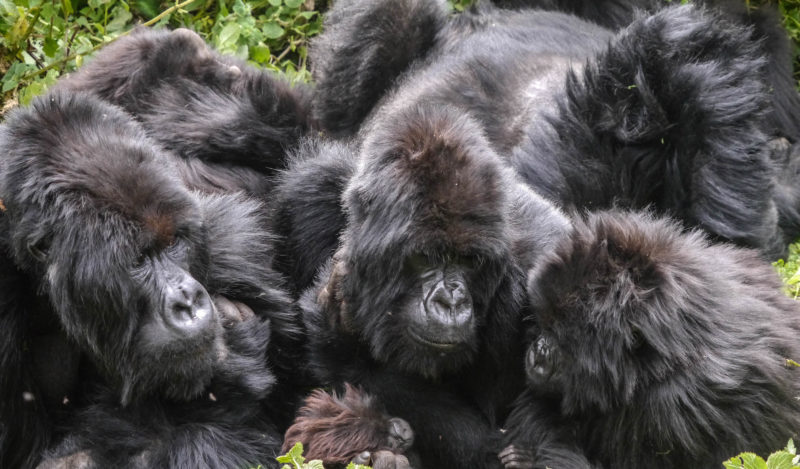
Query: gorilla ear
(330, 297)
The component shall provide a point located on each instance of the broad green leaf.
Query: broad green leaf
(50, 47)
(260, 52)
(294, 4)
(121, 18)
(780, 460)
(272, 30)
(229, 35)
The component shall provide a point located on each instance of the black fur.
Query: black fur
(429, 184)
(784, 112)
(232, 123)
(670, 112)
(95, 228)
(654, 348)
(351, 75)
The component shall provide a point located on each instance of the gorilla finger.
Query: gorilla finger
(362, 458)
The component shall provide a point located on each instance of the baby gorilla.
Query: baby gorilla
(136, 316)
(652, 348)
(350, 427)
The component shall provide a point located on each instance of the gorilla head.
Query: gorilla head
(646, 333)
(118, 247)
(426, 244)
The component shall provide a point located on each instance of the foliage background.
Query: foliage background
(41, 40)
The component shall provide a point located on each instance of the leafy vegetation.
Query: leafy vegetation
(41, 40)
(294, 460)
(784, 459)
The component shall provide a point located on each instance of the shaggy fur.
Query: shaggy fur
(426, 185)
(392, 35)
(339, 429)
(784, 112)
(653, 348)
(96, 231)
(669, 112)
(230, 122)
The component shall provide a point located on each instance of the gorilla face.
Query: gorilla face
(426, 245)
(118, 246)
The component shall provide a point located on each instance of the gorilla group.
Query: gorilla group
(497, 239)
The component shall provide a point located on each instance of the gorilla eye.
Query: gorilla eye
(418, 262)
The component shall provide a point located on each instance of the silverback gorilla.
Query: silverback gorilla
(652, 348)
(668, 113)
(137, 318)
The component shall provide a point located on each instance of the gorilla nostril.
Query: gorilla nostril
(188, 307)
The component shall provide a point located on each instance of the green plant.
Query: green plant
(295, 460)
(42, 39)
(784, 459)
(789, 271)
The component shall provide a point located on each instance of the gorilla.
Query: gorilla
(141, 323)
(352, 427)
(230, 122)
(784, 110)
(653, 348)
(428, 237)
(671, 112)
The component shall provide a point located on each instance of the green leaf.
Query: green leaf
(50, 47)
(317, 464)
(294, 4)
(260, 52)
(272, 30)
(780, 460)
(120, 19)
(294, 456)
(790, 445)
(275, 3)
(229, 35)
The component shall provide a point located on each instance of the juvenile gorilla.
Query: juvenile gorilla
(668, 113)
(230, 122)
(653, 348)
(418, 303)
(135, 315)
(352, 427)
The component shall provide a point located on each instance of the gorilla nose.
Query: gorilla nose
(188, 307)
(450, 303)
(401, 437)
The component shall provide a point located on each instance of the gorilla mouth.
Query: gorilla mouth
(435, 343)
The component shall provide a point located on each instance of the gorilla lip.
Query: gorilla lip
(443, 346)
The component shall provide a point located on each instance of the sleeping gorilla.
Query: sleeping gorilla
(137, 317)
(230, 122)
(652, 348)
(419, 301)
(784, 111)
(668, 113)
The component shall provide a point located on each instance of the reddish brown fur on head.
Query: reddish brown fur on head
(336, 429)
